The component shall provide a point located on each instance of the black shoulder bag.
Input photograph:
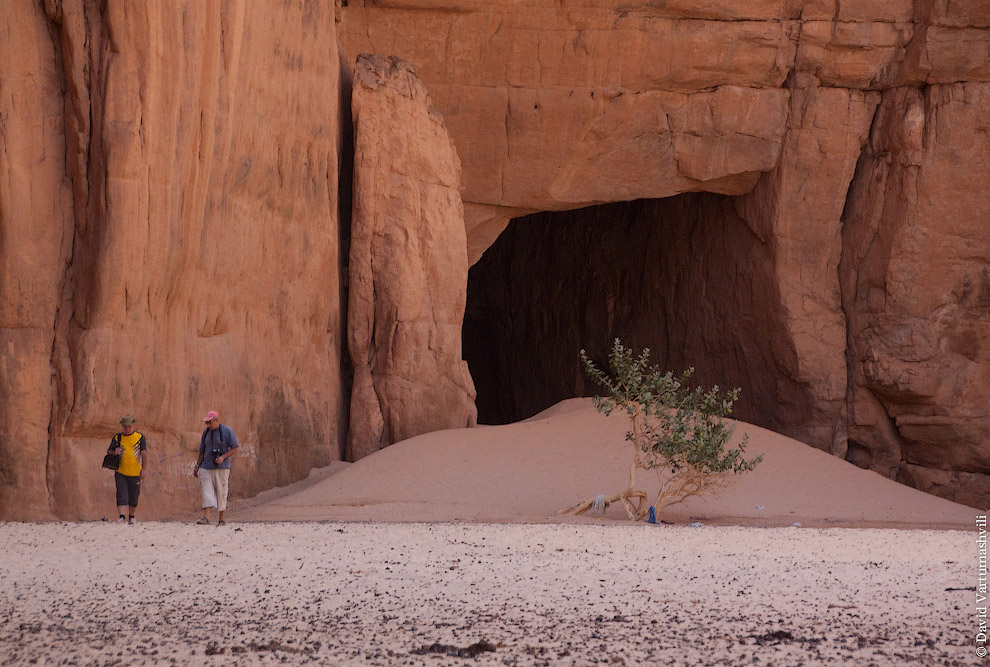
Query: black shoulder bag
(112, 461)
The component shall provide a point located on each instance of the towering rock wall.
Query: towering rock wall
(408, 264)
(916, 289)
(848, 133)
(170, 239)
(36, 231)
(796, 211)
(168, 210)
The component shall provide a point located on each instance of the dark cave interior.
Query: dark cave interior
(684, 276)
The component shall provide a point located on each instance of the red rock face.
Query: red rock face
(36, 230)
(408, 264)
(847, 135)
(169, 222)
(169, 217)
(916, 288)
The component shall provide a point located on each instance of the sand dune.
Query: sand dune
(525, 472)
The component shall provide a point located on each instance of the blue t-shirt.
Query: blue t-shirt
(215, 443)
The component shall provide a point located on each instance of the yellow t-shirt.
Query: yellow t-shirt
(130, 461)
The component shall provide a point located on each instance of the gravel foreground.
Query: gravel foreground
(486, 594)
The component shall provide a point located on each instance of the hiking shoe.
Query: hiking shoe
(221, 522)
(203, 522)
(121, 520)
(133, 521)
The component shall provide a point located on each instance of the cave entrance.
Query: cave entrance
(684, 276)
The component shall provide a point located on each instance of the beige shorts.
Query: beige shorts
(214, 485)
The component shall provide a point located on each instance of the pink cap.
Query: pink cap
(212, 414)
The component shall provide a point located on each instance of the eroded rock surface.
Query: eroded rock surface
(408, 264)
(36, 228)
(916, 277)
(559, 107)
(170, 245)
(169, 225)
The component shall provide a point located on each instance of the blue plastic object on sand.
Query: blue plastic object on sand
(653, 514)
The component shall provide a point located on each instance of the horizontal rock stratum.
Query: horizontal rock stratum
(790, 195)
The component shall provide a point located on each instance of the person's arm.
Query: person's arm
(234, 445)
(202, 452)
(144, 457)
(115, 447)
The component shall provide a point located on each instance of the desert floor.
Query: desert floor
(447, 550)
(391, 594)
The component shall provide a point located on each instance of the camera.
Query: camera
(216, 453)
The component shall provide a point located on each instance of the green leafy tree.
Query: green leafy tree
(678, 432)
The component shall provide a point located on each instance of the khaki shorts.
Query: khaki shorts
(214, 486)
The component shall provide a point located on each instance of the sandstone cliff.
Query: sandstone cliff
(408, 264)
(168, 209)
(790, 195)
(847, 137)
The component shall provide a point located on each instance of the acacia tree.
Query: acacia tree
(677, 432)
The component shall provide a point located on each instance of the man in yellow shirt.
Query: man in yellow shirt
(130, 446)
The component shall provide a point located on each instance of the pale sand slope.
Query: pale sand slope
(529, 470)
(540, 594)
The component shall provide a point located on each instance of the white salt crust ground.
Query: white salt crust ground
(572, 594)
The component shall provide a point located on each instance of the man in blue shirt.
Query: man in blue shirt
(216, 448)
